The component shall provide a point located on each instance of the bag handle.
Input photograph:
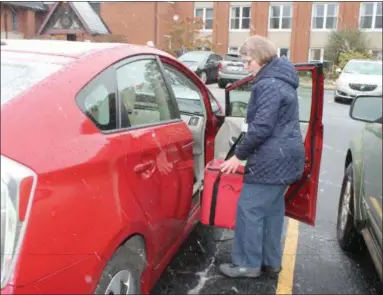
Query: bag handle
(213, 205)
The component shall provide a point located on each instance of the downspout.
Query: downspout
(155, 23)
(6, 24)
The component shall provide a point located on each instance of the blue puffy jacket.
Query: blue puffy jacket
(273, 144)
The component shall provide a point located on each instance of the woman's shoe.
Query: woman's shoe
(235, 271)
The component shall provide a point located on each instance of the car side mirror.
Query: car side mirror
(367, 109)
(338, 70)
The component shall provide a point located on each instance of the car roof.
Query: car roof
(66, 48)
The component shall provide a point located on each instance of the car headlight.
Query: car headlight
(17, 187)
(193, 68)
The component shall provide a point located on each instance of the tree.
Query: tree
(184, 35)
(344, 41)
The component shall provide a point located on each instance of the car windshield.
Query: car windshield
(19, 74)
(363, 68)
(231, 57)
(194, 56)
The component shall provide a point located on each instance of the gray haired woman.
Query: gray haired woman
(274, 150)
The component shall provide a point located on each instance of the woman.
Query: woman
(274, 150)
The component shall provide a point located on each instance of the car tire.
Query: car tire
(348, 237)
(336, 98)
(122, 274)
(221, 84)
(203, 77)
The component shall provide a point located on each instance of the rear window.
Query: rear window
(19, 73)
(232, 57)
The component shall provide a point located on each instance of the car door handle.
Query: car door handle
(144, 167)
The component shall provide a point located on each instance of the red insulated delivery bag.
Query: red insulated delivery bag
(220, 195)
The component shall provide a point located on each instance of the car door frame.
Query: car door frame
(308, 185)
(213, 121)
(126, 130)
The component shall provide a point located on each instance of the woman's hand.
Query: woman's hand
(231, 165)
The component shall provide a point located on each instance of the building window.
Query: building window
(370, 15)
(280, 16)
(240, 18)
(284, 52)
(316, 54)
(325, 16)
(206, 15)
(15, 23)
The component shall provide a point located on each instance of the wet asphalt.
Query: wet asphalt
(321, 267)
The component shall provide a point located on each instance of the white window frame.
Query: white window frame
(321, 54)
(240, 18)
(324, 16)
(374, 12)
(204, 17)
(283, 4)
(288, 51)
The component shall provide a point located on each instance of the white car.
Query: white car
(359, 77)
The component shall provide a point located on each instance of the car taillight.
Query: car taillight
(17, 189)
(219, 66)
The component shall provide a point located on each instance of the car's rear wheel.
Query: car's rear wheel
(122, 274)
(221, 84)
(203, 77)
(348, 237)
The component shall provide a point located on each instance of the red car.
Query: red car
(103, 148)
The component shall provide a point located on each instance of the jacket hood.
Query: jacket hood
(279, 68)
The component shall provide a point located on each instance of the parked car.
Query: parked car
(232, 70)
(204, 63)
(359, 77)
(360, 203)
(103, 149)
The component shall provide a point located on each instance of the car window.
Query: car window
(232, 57)
(240, 96)
(363, 68)
(188, 96)
(144, 96)
(98, 101)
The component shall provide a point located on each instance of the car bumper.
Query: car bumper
(231, 77)
(78, 274)
(345, 93)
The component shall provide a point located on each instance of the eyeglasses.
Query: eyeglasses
(247, 62)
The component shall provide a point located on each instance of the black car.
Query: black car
(204, 63)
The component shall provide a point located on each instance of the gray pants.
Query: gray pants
(259, 226)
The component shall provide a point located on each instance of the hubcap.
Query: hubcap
(345, 209)
(203, 77)
(121, 283)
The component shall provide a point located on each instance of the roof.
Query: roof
(90, 18)
(55, 47)
(37, 5)
(91, 21)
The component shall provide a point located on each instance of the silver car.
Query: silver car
(231, 70)
(359, 77)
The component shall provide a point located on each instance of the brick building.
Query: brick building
(227, 24)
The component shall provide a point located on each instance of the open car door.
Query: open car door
(301, 197)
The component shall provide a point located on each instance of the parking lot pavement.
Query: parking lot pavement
(316, 265)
